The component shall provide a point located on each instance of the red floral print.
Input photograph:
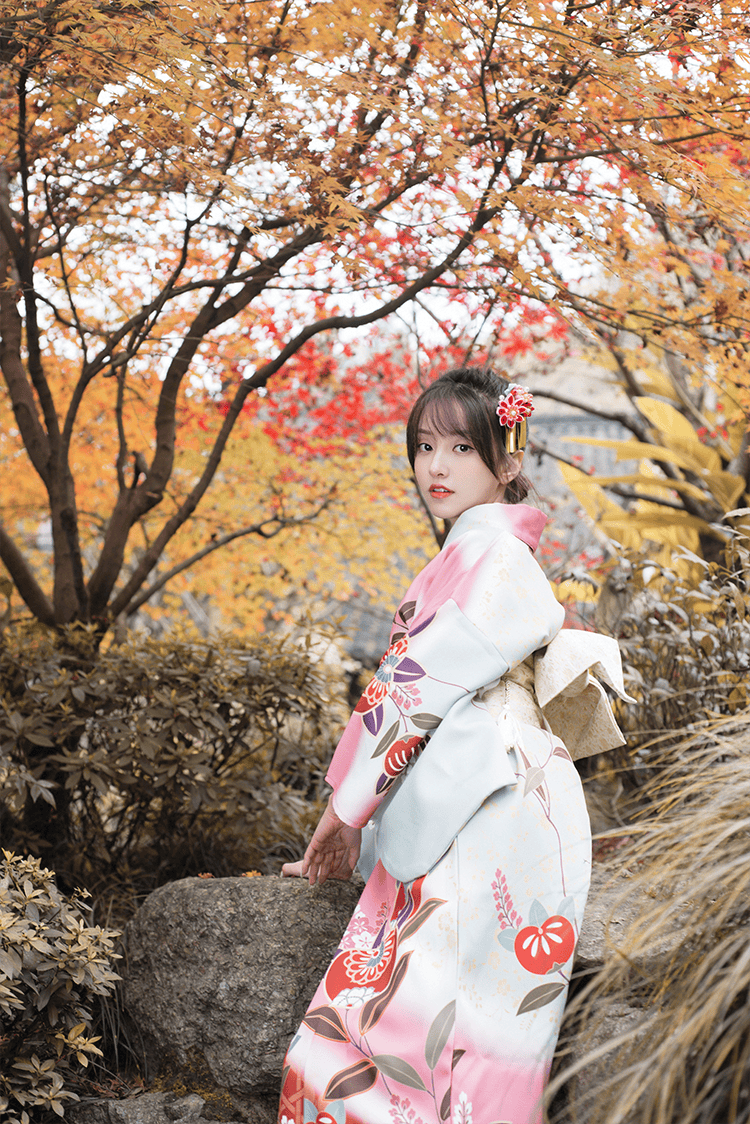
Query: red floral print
(542, 948)
(361, 967)
(400, 754)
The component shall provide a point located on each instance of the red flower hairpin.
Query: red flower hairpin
(515, 404)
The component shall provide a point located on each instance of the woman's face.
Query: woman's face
(451, 475)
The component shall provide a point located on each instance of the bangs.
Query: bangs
(446, 417)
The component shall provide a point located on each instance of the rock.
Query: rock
(146, 1108)
(609, 912)
(593, 1089)
(217, 976)
(615, 910)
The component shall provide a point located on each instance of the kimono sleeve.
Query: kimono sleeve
(502, 609)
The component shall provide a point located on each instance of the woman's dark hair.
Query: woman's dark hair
(463, 401)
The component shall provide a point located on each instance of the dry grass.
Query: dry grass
(663, 1032)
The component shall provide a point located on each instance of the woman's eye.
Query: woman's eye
(424, 447)
(464, 448)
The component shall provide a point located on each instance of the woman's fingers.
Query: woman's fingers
(332, 852)
(292, 870)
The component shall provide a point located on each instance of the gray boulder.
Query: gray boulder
(146, 1108)
(217, 976)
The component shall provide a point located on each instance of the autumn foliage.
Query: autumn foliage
(198, 199)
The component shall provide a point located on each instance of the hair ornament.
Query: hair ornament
(514, 405)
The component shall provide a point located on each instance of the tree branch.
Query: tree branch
(277, 523)
(24, 580)
(102, 577)
(626, 420)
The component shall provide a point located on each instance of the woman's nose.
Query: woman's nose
(437, 464)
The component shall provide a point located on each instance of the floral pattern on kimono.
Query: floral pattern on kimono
(444, 1000)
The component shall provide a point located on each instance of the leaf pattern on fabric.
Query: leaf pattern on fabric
(387, 739)
(421, 916)
(354, 1079)
(326, 1021)
(375, 1007)
(398, 1069)
(540, 997)
(439, 1033)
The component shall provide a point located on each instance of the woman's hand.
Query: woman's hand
(332, 853)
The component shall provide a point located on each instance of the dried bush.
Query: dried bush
(160, 759)
(681, 971)
(685, 643)
(52, 963)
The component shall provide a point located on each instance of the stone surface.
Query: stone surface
(611, 910)
(217, 976)
(608, 914)
(146, 1108)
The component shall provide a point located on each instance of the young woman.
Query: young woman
(461, 807)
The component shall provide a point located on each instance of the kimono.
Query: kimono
(445, 997)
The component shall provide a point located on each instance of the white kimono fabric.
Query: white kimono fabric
(444, 1000)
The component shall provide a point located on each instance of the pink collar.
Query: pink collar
(520, 519)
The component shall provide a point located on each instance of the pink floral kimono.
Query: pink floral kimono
(444, 1000)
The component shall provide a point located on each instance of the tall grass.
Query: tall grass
(678, 980)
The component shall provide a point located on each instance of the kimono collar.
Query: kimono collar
(519, 519)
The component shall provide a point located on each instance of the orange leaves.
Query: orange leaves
(204, 192)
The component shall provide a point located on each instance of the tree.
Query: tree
(193, 192)
(680, 357)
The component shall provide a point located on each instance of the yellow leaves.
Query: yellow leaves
(579, 592)
(678, 434)
(598, 506)
(664, 529)
(633, 450)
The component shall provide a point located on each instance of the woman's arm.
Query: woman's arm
(488, 615)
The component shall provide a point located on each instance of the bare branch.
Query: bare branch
(276, 523)
(627, 420)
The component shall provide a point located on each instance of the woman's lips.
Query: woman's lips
(439, 490)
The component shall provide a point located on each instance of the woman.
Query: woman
(444, 1000)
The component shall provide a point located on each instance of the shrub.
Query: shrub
(52, 962)
(164, 758)
(685, 643)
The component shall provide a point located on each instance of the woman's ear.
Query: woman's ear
(511, 467)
